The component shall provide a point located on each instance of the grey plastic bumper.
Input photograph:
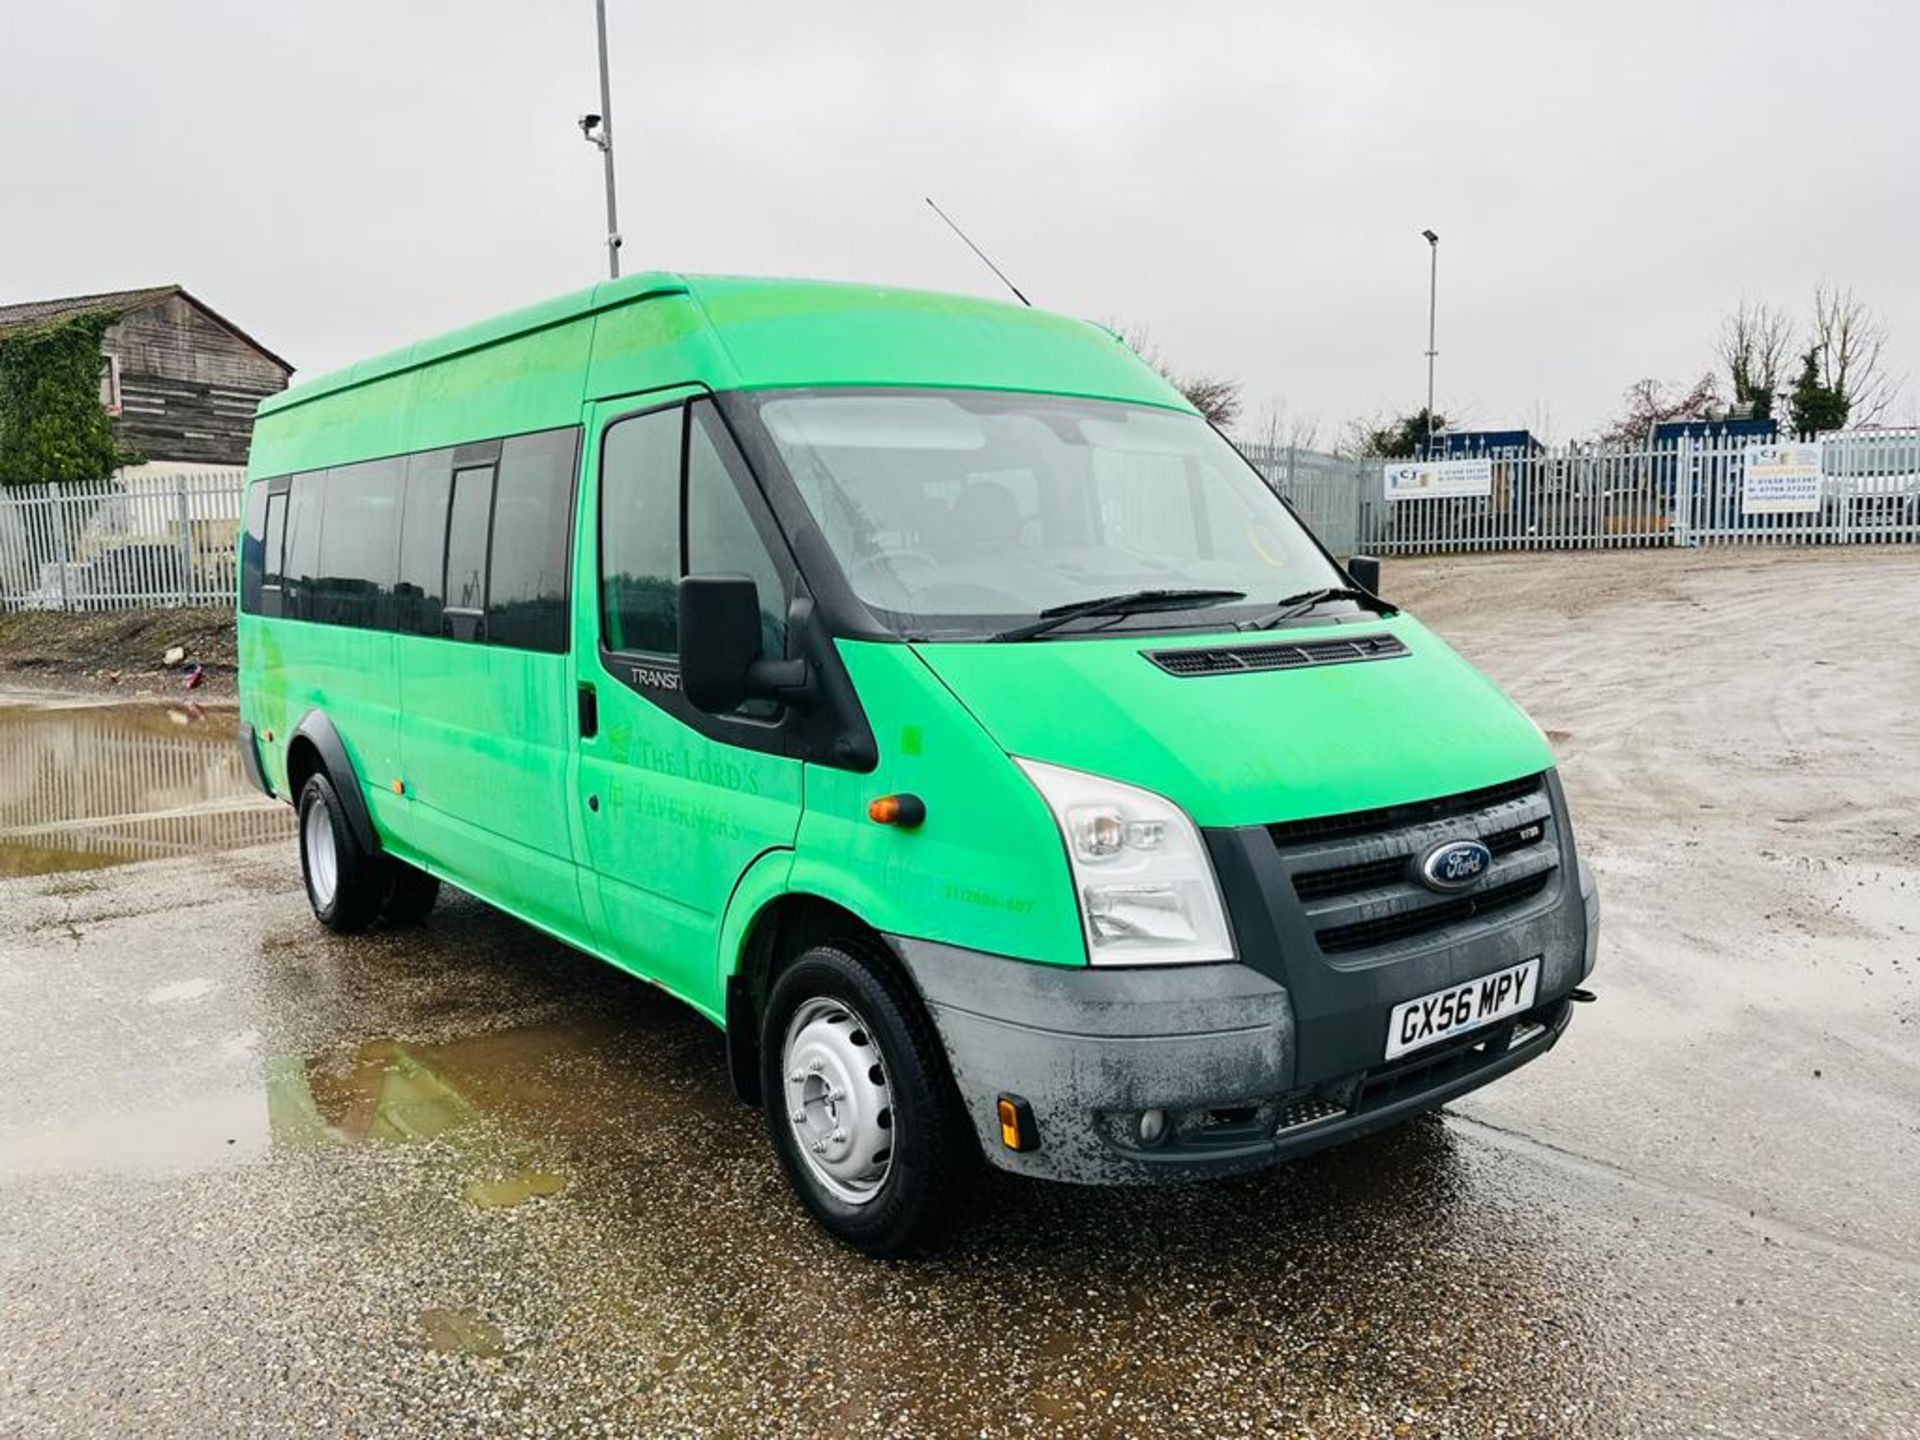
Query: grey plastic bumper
(1089, 1049)
(1078, 1042)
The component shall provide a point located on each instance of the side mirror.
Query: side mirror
(1365, 572)
(722, 665)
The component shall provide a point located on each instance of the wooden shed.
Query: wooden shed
(180, 379)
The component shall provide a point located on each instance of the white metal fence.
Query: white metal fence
(135, 540)
(1689, 492)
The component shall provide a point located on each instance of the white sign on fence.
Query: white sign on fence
(1425, 479)
(1780, 479)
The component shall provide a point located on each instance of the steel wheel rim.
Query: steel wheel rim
(323, 862)
(834, 1086)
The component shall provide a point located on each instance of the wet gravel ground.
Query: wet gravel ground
(462, 1180)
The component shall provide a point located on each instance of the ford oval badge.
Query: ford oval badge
(1454, 864)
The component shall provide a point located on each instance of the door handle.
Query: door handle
(589, 702)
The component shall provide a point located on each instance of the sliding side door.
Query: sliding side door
(486, 683)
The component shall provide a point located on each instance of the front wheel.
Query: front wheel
(860, 1107)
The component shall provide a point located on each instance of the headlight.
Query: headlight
(1145, 886)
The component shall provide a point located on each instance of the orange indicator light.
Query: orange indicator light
(904, 811)
(1017, 1130)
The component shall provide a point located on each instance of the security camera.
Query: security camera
(588, 124)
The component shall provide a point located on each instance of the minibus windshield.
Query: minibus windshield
(959, 513)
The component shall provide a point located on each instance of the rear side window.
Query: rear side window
(640, 533)
(420, 593)
(532, 520)
(253, 545)
(359, 545)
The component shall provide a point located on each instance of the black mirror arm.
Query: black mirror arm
(787, 681)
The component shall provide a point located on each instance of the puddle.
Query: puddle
(461, 1332)
(85, 786)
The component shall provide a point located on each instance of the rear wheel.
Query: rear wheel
(859, 1104)
(345, 883)
(411, 892)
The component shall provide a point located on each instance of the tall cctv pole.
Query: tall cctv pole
(1433, 313)
(599, 130)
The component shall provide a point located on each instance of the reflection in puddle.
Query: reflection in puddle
(87, 786)
(386, 1094)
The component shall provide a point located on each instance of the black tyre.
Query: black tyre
(345, 883)
(861, 1109)
(411, 892)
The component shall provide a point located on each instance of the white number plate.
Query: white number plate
(1434, 1017)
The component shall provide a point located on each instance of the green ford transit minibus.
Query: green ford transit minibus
(921, 690)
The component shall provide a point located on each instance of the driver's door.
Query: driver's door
(673, 804)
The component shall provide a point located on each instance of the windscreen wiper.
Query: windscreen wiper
(1129, 603)
(1292, 607)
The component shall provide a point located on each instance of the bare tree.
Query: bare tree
(1756, 341)
(1214, 396)
(1278, 430)
(1648, 403)
(1849, 343)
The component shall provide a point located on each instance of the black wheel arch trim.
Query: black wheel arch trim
(250, 759)
(317, 730)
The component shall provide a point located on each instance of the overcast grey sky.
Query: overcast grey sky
(1245, 181)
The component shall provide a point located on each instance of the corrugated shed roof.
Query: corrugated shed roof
(32, 314)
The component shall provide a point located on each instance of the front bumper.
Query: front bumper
(1260, 1060)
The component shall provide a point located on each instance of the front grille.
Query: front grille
(1367, 934)
(1300, 655)
(1417, 812)
(1371, 874)
(1357, 879)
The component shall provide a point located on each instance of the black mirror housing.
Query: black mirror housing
(1365, 572)
(721, 662)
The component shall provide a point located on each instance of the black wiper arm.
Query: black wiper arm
(1131, 602)
(1292, 607)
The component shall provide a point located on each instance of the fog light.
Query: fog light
(1153, 1127)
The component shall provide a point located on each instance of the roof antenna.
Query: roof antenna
(981, 253)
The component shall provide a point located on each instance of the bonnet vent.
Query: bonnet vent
(1300, 655)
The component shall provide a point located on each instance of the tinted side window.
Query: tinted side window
(468, 522)
(417, 592)
(359, 545)
(640, 533)
(532, 519)
(301, 565)
(253, 544)
(721, 535)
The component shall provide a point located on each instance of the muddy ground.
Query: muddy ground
(462, 1180)
(118, 651)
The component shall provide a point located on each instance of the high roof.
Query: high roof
(769, 331)
(30, 315)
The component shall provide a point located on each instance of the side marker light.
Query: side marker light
(903, 811)
(1017, 1128)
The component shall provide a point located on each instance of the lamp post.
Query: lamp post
(598, 129)
(1433, 311)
